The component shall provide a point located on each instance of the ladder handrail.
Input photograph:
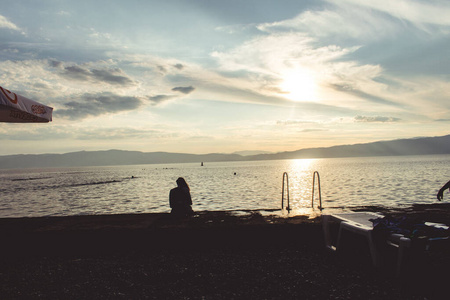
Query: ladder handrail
(285, 175)
(320, 194)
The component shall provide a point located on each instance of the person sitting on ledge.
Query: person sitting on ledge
(180, 199)
(440, 194)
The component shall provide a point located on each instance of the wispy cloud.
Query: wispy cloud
(377, 119)
(179, 66)
(351, 90)
(337, 25)
(5, 23)
(415, 11)
(293, 122)
(114, 76)
(78, 133)
(116, 133)
(313, 130)
(63, 13)
(158, 99)
(95, 105)
(184, 89)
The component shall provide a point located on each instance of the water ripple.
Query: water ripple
(386, 181)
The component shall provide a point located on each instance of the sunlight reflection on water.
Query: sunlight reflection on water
(388, 181)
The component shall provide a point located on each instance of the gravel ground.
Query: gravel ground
(293, 266)
(294, 273)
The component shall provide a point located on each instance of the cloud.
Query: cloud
(179, 66)
(364, 22)
(63, 13)
(201, 138)
(225, 84)
(336, 25)
(31, 133)
(113, 76)
(293, 122)
(162, 69)
(313, 130)
(378, 119)
(365, 49)
(73, 131)
(118, 133)
(75, 72)
(425, 12)
(363, 95)
(94, 105)
(277, 58)
(57, 83)
(55, 63)
(159, 99)
(267, 55)
(5, 23)
(184, 89)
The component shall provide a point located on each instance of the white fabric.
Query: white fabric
(18, 109)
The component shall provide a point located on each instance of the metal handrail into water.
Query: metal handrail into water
(320, 193)
(285, 175)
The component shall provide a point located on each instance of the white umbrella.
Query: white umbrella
(15, 108)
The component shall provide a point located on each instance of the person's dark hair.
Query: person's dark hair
(182, 183)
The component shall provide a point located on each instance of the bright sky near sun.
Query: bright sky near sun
(203, 76)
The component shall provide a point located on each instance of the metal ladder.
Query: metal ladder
(286, 180)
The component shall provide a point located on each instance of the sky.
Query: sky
(214, 76)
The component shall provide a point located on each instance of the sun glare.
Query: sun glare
(299, 85)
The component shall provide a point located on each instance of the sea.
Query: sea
(231, 186)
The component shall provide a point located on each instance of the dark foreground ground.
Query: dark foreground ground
(215, 255)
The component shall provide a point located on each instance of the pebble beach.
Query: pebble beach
(213, 255)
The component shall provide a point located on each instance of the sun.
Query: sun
(299, 85)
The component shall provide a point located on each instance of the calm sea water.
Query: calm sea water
(345, 182)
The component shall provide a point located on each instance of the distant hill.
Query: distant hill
(251, 152)
(106, 158)
(417, 146)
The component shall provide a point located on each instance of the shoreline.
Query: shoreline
(161, 230)
(98, 234)
(215, 255)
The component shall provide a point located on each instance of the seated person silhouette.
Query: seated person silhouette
(440, 194)
(180, 199)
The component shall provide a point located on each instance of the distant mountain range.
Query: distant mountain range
(251, 152)
(416, 146)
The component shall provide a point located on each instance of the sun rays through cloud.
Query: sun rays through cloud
(300, 85)
(242, 76)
